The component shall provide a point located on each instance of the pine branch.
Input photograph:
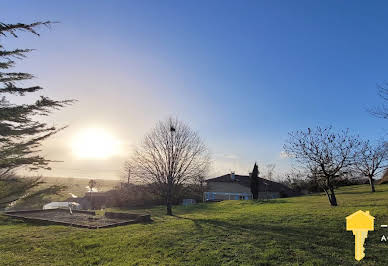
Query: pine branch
(12, 89)
(7, 64)
(13, 28)
(17, 53)
(18, 131)
(16, 189)
(21, 134)
(10, 78)
(21, 113)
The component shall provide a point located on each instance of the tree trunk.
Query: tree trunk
(329, 190)
(332, 198)
(372, 184)
(255, 196)
(169, 209)
(91, 200)
(169, 198)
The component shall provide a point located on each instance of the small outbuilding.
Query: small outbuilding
(186, 202)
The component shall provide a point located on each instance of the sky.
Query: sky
(241, 73)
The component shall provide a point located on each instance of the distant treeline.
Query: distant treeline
(128, 195)
(307, 185)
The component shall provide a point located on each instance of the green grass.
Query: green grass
(294, 231)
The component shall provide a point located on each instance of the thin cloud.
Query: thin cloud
(226, 156)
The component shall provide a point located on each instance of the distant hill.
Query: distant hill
(77, 186)
(384, 179)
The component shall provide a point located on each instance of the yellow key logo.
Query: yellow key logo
(360, 223)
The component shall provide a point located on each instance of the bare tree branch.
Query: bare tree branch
(371, 160)
(382, 110)
(324, 153)
(170, 156)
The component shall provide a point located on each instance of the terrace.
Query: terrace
(83, 219)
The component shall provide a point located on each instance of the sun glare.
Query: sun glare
(95, 143)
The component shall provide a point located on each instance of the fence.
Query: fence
(209, 196)
(214, 196)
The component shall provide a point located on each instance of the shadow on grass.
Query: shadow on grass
(312, 239)
(4, 220)
(356, 192)
(270, 201)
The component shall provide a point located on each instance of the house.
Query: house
(238, 187)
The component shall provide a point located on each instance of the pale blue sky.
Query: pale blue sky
(242, 73)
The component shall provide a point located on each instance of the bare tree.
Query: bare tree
(296, 180)
(326, 154)
(126, 174)
(200, 185)
(171, 156)
(382, 110)
(270, 171)
(92, 184)
(371, 160)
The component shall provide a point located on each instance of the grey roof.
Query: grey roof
(244, 180)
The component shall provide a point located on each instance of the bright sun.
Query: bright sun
(95, 143)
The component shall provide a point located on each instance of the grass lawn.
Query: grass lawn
(294, 231)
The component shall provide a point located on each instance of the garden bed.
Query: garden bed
(84, 219)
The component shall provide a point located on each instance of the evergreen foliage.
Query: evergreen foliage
(21, 132)
(255, 182)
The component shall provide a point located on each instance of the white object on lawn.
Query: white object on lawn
(58, 204)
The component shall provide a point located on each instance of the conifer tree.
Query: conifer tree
(21, 131)
(255, 182)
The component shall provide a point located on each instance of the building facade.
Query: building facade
(238, 187)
